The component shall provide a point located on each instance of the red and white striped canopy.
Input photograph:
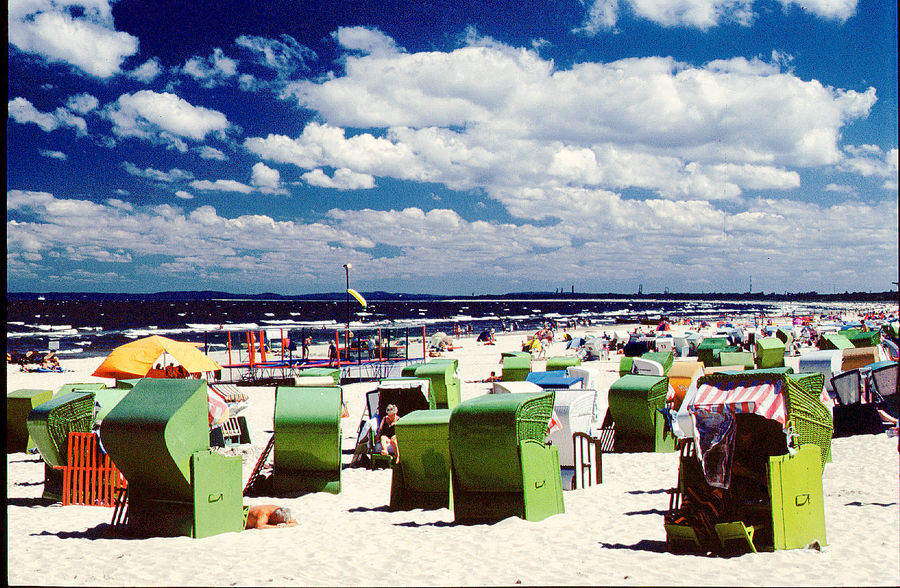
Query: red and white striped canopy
(762, 397)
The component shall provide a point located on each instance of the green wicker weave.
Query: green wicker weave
(807, 417)
(864, 338)
(49, 424)
(532, 418)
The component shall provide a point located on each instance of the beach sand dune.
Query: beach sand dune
(611, 534)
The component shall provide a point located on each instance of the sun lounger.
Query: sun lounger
(18, 404)
(635, 404)
(49, 424)
(513, 387)
(158, 437)
(319, 372)
(307, 451)
(834, 341)
(500, 465)
(422, 478)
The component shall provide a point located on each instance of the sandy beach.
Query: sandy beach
(611, 534)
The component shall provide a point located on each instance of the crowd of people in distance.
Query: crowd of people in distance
(31, 361)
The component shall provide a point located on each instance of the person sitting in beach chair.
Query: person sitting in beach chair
(269, 516)
(387, 435)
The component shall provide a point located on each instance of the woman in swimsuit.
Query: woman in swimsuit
(386, 433)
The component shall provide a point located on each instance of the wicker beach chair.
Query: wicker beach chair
(422, 478)
(307, 429)
(49, 424)
(775, 499)
(18, 405)
(636, 403)
(158, 437)
(516, 366)
(500, 465)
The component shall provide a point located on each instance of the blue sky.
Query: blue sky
(452, 148)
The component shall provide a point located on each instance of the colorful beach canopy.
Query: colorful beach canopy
(761, 397)
(358, 296)
(136, 359)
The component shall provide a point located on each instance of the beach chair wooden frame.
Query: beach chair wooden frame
(90, 477)
(588, 458)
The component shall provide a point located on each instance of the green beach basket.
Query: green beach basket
(49, 424)
(634, 403)
(158, 437)
(516, 366)
(500, 465)
(422, 478)
(18, 405)
(307, 451)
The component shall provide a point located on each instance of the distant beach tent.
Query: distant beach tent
(358, 297)
(136, 359)
(663, 326)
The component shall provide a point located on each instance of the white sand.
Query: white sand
(610, 534)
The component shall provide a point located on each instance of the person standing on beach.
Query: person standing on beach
(305, 347)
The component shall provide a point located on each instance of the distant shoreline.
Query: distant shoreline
(887, 296)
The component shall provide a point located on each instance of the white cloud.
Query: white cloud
(23, 112)
(213, 70)
(82, 103)
(343, 179)
(365, 39)
(870, 161)
(207, 152)
(171, 176)
(285, 56)
(702, 14)
(163, 117)
(89, 42)
(221, 186)
(54, 154)
(184, 195)
(266, 180)
(697, 239)
(147, 71)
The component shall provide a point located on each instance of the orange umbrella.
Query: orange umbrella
(135, 359)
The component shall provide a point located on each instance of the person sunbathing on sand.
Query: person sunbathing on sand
(269, 516)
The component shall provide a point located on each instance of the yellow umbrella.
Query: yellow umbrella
(135, 359)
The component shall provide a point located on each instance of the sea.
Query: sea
(79, 326)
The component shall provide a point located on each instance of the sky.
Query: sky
(452, 148)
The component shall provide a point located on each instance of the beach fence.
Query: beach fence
(90, 478)
(367, 354)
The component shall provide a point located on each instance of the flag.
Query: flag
(554, 424)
